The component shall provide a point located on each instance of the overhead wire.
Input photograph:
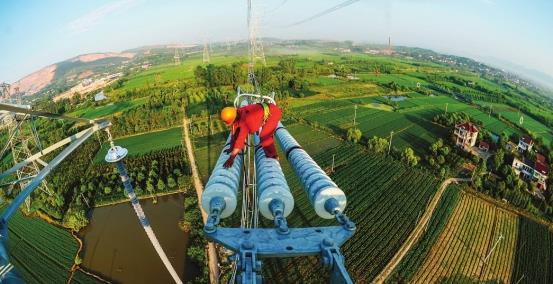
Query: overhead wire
(325, 12)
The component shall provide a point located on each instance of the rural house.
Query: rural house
(99, 96)
(484, 146)
(532, 170)
(465, 135)
(525, 143)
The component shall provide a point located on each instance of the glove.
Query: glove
(229, 162)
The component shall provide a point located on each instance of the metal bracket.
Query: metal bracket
(277, 208)
(332, 258)
(254, 244)
(216, 206)
(248, 263)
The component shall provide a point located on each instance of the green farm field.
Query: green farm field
(41, 251)
(106, 110)
(171, 73)
(411, 122)
(514, 116)
(470, 239)
(145, 143)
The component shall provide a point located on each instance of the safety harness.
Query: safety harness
(266, 112)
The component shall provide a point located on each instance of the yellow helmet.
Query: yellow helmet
(228, 115)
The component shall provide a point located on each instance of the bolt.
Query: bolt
(247, 245)
(328, 242)
(209, 228)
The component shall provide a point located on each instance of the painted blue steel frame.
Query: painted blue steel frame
(251, 245)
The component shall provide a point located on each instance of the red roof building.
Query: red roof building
(534, 171)
(484, 146)
(465, 135)
(525, 143)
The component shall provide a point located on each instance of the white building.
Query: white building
(99, 96)
(525, 143)
(533, 171)
(465, 135)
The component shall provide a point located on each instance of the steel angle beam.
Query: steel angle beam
(85, 133)
(21, 110)
(76, 141)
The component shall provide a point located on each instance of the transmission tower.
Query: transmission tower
(5, 90)
(390, 49)
(206, 53)
(255, 46)
(23, 139)
(177, 57)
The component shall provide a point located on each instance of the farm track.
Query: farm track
(417, 232)
(211, 251)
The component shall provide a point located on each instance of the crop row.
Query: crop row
(385, 199)
(418, 253)
(534, 253)
(477, 244)
(41, 252)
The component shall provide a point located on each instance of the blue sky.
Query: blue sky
(35, 33)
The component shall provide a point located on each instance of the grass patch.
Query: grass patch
(101, 111)
(145, 143)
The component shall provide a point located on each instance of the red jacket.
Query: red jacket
(248, 121)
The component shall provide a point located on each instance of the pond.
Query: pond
(117, 248)
(396, 98)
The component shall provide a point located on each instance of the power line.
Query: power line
(325, 12)
(276, 8)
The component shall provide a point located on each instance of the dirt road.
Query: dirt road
(417, 232)
(211, 251)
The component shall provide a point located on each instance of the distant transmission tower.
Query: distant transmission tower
(390, 49)
(255, 46)
(206, 53)
(5, 89)
(177, 57)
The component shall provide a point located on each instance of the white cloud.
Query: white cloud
(87, 21)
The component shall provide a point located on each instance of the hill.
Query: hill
(71, 71)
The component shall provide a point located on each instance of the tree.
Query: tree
(354, 135)
(444, 151)
(177, 172)
(181, 180)
(140, 177)
(440, 159)
(150, 187)
(377, 144)
(107, 190)
(408, 156)
(171, 182)
(435, 147)
(160, 185)
(76, 220)
(498, 159)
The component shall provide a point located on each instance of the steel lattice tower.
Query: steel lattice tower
(255, 47)
(23, 139)
(206, 53)
(177, 57)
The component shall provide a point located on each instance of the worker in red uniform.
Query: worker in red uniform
(262, 118)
